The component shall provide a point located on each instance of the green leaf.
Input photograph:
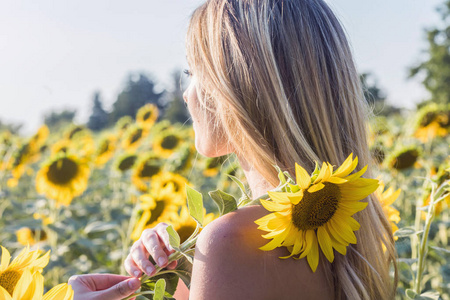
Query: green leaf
(171, 280)
(99, 226)
(225, 202)
(174, 238)
(160, 288)
(239, 183)
(280, 175)
(406, 231)
(410, 294)
(184, 271)
(440, 249)
(195, 204)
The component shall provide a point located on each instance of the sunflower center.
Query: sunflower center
(169, 142)
(147, 115)
(149, 170)
(9, 279)
(136, 136)
(405, 160)
(62, 171)
(127, 163)
(157, 211)
(316, 209)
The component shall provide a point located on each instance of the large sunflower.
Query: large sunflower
(170, 183)
(167, 142)
(133, 137)
(147, 115)
(125, 162)
(157, 209)
(62, 178)
(403, 158)
(10, 273)
(146, 169)
(317, 211)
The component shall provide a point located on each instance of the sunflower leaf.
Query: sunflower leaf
(160, 288)
(406, 231)
(195, 204)
(281, 175)
(410, 294)
(174, 238)
(225, 202)
(240, 184)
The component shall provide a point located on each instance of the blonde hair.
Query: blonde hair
(285, 89)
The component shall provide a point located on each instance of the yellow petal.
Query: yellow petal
(325, 243)
(303, 178)
(316, 187)
(276, 242)
(347, 166)
(313, 255)
(324, 173)
(295, 198)
(6, 257)
(279, 197)
(357, 174)
(4, 295)
(62, 291)
(272, 206)
(337, 180)
(310, 235)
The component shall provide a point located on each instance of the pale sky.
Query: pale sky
(55, 54)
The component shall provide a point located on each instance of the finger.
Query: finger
(153, 245)
(99, 281)
(140, 258)
(131, 267)
(120, 290)
(164, 237)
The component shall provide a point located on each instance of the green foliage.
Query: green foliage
(99, 117)
(436, 68)
(136, 94)
(225, 202)
(55, 119)
(195, 204)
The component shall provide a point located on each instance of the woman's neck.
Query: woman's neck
(257, 183)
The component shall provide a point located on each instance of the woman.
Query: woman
(274, 82)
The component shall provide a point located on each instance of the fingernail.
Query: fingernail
(149, 270)
(136, 273)
(161, 261)
(134, 283)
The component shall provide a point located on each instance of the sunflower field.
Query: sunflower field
(82, 198)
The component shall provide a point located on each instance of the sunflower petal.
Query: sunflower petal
(347, 166)
(6, 258)
(272, 206)
(313, 255)
(324, 173)
(302, 177)
(295, 198)
(316, 187)
(325, 243)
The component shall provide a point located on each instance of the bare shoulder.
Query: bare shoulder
(229, 264)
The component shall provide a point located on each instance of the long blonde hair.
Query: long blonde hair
(285, 88)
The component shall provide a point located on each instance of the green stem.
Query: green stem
(424, 242)
(139, 294)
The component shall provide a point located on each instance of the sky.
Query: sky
(56, 54)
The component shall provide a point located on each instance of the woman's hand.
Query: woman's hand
(153, 242)
(103, 286)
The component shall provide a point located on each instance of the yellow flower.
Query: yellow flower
(105, 150)
(155, 210)
(146, 169)
(185, 225)
(27, 236)
(317, 212)
(133, 137)
(432, 121)
(125, 162)
(62, 178)
(123, 123)
(404, 158)
(386, 199)
(170, 183)
(147, 115)
(167, 142)
(10, 273)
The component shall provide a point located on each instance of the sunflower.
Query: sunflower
(155, 210)
(27, 236)
(147, 115)
(185, 225)
(21, 159)
(432, 120)
(61, 146)
(10, 273)
(105, 150)
(167, 142)
(123, 123)
(30, 286)
(317, 211)
(125, 162)
(62, 178)
(403, 158)
(39, 138)
(170, 183)
(133, 137)
(386, 199)
(74, 130)
(146, 169)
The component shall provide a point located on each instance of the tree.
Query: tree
(99, 117)
(135, 94)
(54, 118)
(176, 109)
(436, 68)
(11, 127)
